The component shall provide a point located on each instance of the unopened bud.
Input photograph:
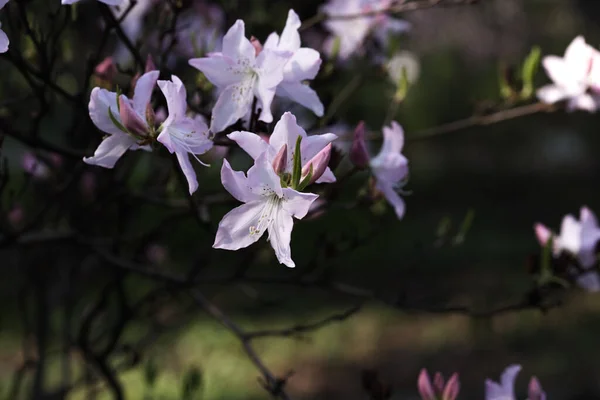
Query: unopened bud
(280, 160)
(452, 388)
(130, 119)
(438, 382)
(535, 390)
(358, 152)
(257, 45)
(318, 164)
(106, 70)
(424, 386)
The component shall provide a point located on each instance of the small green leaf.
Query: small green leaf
(402, 85)
(119, 93)
(297, 170)
(116, 122)
(528, 71)
(306, 181)
(443, 227)
(506, 89)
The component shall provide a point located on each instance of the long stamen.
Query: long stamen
(180, 137)
(266, 216)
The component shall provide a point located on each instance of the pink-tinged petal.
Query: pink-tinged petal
(551, 94)
(217, 68)
(130, 119)
(319, 163)
(110, 150)
(313, 144)
(280, 161)
(280, 236)
(250, 142)
(296, 203)
(100, 101)
(4, 42)
(359, 154)
(175, 94)
(452, 388)
(535, 390)
(262, 180)
(188, 170)
(494, 391)
(236, 229)
(304, 65)
(577, 58)
(269, 66)
(290, 38)
(272, 42)
(265, 99)
(393, 198)
(438, 382)
(390, 167)
(233, 103)
(143, 91)
(542, 233)
(589, 281)
(585, 102)
(393, 138)
(303, 95)
(286, 132)
(235, 182)
(424, 385)
(327, 177)
(235, 43)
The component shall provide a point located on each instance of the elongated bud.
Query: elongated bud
(280, 160)
(130, 119)
(542, 234)
(358, 152)
(438, 382)
(106, 70)
(318, 164)
(257, 45)
(535, 390)
(424, 386)
(452, 388)
(150, 66)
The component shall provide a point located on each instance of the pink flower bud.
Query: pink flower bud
(424, 386)
(358, 152)
(106, 70)
(280, 160)
(452, 388)
(130, 119)
(542, 233)
(535, 390)
(319, 164)
(150, 66)
(438, 382)
(257, 45)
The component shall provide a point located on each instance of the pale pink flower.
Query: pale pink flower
(504, 390)
(439, 390)
(4, 42)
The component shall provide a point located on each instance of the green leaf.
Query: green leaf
(402, 85)
(306, 181)
(506, 89)
(116, 122)
(297, 170)
(119, 93)
(528, 71)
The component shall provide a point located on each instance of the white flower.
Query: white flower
(181, 134)
(353, 31)
(242, 75)
(574, 76)
(268, 208)
(505, 389)
(4, 42)
(303, 65)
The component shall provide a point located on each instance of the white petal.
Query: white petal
(262, 179)
(302, 94)
(494, 391)
(100, 101)
(303, 65)
(110, 150)
(570, 234)
(233, 103)
(188, 170)
(290, 38)
(143, 91)
(280, 236)
(286, 131)
(393, 138)
(250, 142)
(558, 70)
(296, 203)
(175, 94)
(507, 379)
(265, 99)
(550, 94)
(584, 102)
(272, 42)
(235, 231)
(235, 182)
(578, 58)
(236, 45)
(269, 66)
(589, 281)
(3, 3)
(218, 69)
(393, 198)
(327, 177)
(4, 42)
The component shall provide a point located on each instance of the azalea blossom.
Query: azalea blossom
(181, 134)
(242, 75)
(286, 133)
(109, 2)
(504, 390)
(268, 207)
(4, 42)
(578, 238)
(200, 29)
(439, 390)
(576, 77)
(389, 167)
(129, 114)
(303, 65)
(353, 31)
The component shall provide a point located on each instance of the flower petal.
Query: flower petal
(235, 182)
(393, 198)
(143, 91)
(262, 179)
(265, 99)
(303, 65)
(175, 94)
(188, 170)
(550, 94)
(542, 233)
(235, 229)
(290, 38)
(393, 138)
(327, 177)
(286, 131)
(507, 379)
(3, 3)
(424, 386)
(250, 142)
(296, 203)
(236, 45)
(272, 42)
(302, 94)
(217, 68)
(584, 102)
(494, 391)
(4, 42)
(100, 101)
(233, 103)
(280, 236)
(269, 66)
(110, 150)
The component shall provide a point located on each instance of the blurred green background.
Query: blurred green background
(511, 174)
